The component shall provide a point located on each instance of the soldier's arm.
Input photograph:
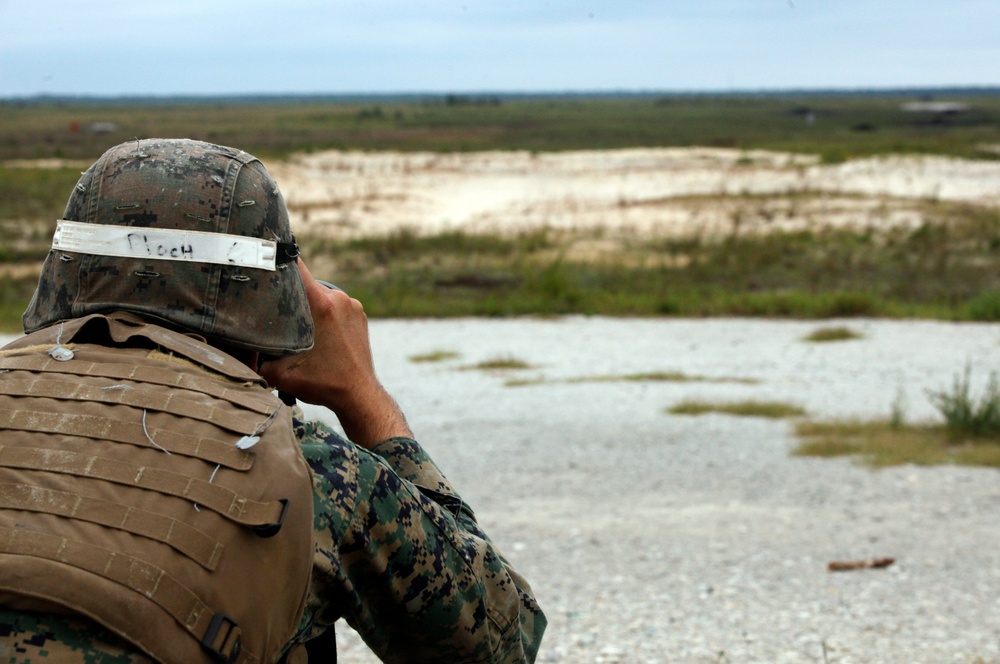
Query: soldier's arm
(403, 560)
(409, 566)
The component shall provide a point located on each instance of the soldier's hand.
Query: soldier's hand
(338, 371)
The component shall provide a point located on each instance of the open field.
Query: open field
(798, 206)
(650, 533)
(835, 126)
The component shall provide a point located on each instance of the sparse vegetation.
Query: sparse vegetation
(434, 356)
(947, 268)
(970, 434)
(500, 364)
(807, 274)
(751, 408)
(965, 416)
(659, 376)
(844, 126)
(826, 334)
(642, 377)
(880, 444)
(820, 274)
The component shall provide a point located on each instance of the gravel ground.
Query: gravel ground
(651, 537)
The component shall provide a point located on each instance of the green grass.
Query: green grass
(35, 195)
(948, 273)
(964, 415)
(846, 125)
(949, 268)
(882, 443)
(827, 334)
(927, 272)
(14, 296)
(750, 408)
(969, 436)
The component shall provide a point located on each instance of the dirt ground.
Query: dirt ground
(651, 537)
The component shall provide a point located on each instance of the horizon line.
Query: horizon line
(507, 94)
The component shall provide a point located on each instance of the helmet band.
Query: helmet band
(166, 244)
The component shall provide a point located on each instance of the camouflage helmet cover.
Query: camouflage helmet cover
(179, 188)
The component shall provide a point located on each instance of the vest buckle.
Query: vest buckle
(230, 643)
(272, 529)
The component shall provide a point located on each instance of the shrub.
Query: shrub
(963, 415)
(985, 306)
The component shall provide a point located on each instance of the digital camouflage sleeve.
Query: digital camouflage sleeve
(401, 558)
(398, 555)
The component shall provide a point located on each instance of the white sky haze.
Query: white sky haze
(124, 47)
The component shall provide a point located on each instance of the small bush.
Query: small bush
(848, 304)
(963, 415)
(984, 307)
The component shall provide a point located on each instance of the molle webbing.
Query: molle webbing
(193, 543)
(227, 503)
(151, 581)
(205, 384)
(133, 433)
(125, 495)
(131, 396)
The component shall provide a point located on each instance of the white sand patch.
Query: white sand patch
(667, 191)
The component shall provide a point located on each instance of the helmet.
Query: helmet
(188, 232)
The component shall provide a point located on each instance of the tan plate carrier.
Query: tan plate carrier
(125, 497)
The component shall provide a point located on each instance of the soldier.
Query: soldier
(158, 502)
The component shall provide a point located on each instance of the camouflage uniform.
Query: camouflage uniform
(399, 557)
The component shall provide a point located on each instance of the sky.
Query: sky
(223, 47)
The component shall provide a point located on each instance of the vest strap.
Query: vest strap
(225, 502)
(206, 384)
(193, 543)
(120, 431)
(135, 397)
(154, 583)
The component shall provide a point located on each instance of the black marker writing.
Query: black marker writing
(160, 250)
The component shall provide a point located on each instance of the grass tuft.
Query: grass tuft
(966, 416)
(643, 377)
(651, 376)
(523, 382)
(434, 356)
(500, 364)
(826, 334)
(750, 408)
(881, 443)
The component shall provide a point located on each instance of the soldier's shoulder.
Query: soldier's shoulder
(39, 637)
